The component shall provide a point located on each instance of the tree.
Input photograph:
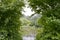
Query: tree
(25, 21)
(10, 12)
(50, 11)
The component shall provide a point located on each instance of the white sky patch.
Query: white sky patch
(27, 11)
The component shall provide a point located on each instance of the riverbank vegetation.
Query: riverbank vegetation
(44, 23)
(50, 11)
(10, 13)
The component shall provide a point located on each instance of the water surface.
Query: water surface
(28, 38)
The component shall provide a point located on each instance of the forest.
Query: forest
(43, 24)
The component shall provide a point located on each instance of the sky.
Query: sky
(27, 10)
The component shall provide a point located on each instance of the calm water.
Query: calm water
(28, 38)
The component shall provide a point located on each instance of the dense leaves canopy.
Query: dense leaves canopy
(50, 20)
(10, 12)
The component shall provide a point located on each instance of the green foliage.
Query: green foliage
(25, 21)
(10, 12)
(51, 29)
(50, 20)
(42, 5)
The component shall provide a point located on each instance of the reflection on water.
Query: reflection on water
(28, 38)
